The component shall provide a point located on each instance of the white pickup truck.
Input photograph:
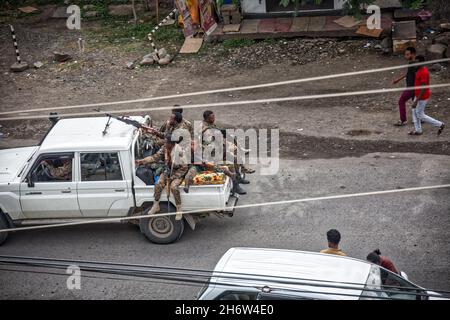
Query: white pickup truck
(101, 181)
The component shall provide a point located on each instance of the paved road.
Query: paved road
(411, 228)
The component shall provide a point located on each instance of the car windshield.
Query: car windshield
(383, 284)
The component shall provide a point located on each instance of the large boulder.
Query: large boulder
(19, 67)
(436, 51)
(147, 60)
(443, 38)
(165, 61)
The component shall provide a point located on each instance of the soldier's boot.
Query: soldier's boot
(186, 186)
(178, 215)
(240, 179)
(237, 188)
(246, 169)
(155, 208)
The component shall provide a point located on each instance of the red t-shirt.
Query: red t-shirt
(422, 77)
(388, 264)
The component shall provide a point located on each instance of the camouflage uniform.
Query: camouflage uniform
(63, 172)
(208, 132)
(178, 170)
(184, 124)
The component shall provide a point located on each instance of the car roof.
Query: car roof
(86, 134)
(292, 265)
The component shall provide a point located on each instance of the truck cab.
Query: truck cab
(85, 169)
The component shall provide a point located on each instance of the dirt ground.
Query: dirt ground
(332, 127)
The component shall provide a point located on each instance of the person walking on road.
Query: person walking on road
(407, 94)
(422, 96)
(333, 237)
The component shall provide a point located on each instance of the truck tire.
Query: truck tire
(162, 230)
(3, 225)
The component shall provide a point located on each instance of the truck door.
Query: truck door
(102, 189)
(49, 190)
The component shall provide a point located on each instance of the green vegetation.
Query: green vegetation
(237, 43)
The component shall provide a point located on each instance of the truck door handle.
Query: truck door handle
(66, 191)
(119, 190)
(31, 193)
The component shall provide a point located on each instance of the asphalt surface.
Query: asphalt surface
(410, 228)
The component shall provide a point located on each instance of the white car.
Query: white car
(274, 274)
(102, 182)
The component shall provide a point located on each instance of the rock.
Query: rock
(19, 67)
(38, 64)
(60, 56)
(147, 60)
(130, 65)
(436, 51)
(443, 38)
(60, 13)
(162, 53)
(123, 9)
(89, 7)
(152, 55)
(166, 60)
(90, 14)
(436, 67)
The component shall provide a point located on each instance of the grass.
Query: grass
(237, 43)
(129, 36)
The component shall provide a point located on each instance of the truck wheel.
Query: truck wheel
(3, 225)
(162, 230)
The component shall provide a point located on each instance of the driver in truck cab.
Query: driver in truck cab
(176, 166)
(62, 172)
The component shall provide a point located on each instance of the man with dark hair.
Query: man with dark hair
(408, 94)
(176, 108)
(208, 116)
(376, 257)
(176, 166)
(422, 96)
(176, 122)
(209, 119)
(333, 237)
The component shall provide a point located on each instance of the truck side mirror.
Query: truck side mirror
(30, 181)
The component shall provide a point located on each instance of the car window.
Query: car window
(383, 284)
(100, 166)
(238, 295)
(396, 287)
(53, 168)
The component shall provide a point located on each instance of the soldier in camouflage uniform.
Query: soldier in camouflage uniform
(176, 164)
(169, 127)
(63, 172)
(229, 147)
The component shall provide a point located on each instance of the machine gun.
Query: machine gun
(131, 122)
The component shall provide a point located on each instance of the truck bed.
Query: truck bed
(211, 196)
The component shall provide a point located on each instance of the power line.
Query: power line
(234, 103)
(252, 205)
(174, 270)
(276, 283)
(242, 88)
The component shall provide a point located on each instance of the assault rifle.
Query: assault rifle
(131, 122)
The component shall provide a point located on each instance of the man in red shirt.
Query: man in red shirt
(422, 96)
